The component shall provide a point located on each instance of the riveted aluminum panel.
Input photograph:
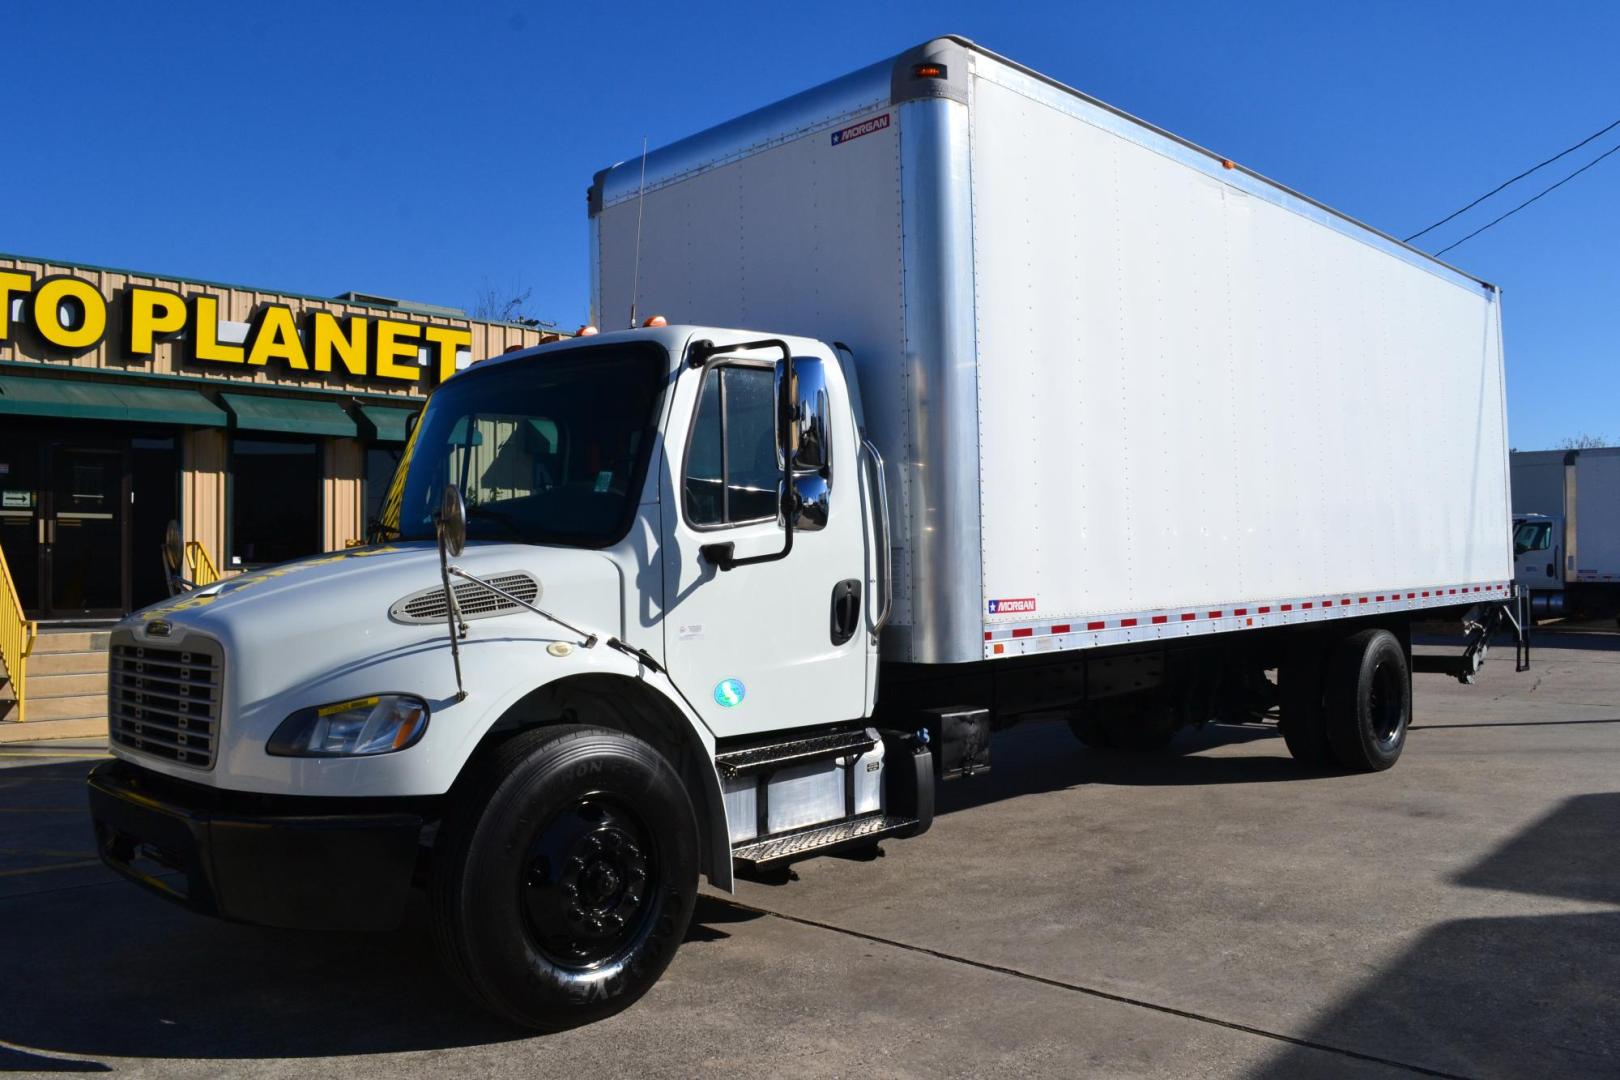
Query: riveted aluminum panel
(1191, 391)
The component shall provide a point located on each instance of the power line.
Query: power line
(1515, 180)
(1532, 199)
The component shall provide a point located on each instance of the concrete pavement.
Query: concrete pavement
(1214, 912)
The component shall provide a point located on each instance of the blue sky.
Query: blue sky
(423, 150)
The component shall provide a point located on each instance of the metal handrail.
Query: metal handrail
(203, 571)
(17, 634)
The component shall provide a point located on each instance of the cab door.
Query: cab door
(776, 644)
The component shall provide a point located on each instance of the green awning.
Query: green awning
(389, 422)
(297, 416)
(83, 399)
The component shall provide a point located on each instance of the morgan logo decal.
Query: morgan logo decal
(1023, 605)
(729, 692)
(855, 131)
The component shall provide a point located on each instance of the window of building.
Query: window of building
(732, 471)
(275, 500)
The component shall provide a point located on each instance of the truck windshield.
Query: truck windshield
(545, 450)
(1532, 536)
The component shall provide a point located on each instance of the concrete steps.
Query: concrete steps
(67, 688)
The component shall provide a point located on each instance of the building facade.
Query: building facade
(267, 423)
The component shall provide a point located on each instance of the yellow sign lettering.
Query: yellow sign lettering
(327, 339)
(274, 336)
(447, 341)
(151, 315)
(12, 281)
(69, 312)
(205, 343)
(391, 343)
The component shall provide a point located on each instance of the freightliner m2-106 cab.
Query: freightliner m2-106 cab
(985, 400)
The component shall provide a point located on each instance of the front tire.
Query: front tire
(1369, 700)
(564, 876)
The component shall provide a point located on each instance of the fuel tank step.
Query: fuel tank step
(819, 840)
(796, 752)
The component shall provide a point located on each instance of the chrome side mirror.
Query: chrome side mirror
(452, 520)
(813, 496)
(811, 439)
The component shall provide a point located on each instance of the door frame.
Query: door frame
(45, 511)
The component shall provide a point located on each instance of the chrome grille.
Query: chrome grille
(166, 701)
(475, 601)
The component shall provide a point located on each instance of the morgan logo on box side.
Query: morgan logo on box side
(1008, 607)
(865, 127)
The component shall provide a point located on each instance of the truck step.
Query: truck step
(820, 840)
(797, 752)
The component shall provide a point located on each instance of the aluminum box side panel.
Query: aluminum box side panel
(1597, 529)
(1194, 394)
(801, 237)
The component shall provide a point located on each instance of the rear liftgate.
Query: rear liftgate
(1481, 622)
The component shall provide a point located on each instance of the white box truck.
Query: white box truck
(1566, 536)
(983, 400)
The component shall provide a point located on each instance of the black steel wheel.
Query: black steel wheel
(1369, 700)
(564, 876)
(589, 882)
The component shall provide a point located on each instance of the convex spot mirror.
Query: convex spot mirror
(807, 442)
(452, 519)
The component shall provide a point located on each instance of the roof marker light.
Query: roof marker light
(586, 331)
(656, 320)
(928, 71)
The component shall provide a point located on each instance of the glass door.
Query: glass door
(83, 532)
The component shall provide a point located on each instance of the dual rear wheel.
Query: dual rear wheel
(1348, 706)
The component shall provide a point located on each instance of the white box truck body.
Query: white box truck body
(983, 400)
(1566, 506)
(1117, 381)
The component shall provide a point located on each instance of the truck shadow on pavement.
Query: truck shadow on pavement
(97, 967)
(1533, 995)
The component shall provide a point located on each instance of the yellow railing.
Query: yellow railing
(202, 567)
(17, 634)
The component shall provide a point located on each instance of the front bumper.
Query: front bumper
(255, 859)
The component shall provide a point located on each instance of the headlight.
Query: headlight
(368, 725)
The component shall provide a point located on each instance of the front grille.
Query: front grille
(165, 702)
(472, 599)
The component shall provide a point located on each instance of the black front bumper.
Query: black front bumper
(273, 861)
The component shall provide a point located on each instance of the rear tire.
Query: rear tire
(1369, 699)
(564, 876)
(1302, 714)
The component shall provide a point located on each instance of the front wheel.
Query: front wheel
(564, 876)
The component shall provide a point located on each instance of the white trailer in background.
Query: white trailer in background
(983, 399)
(1566, 540)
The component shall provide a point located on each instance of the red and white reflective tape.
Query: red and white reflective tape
(1084, 632)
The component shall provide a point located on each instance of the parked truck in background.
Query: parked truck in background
(982, 400)
(1566, 535)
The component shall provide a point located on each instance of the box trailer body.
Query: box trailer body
(1569, 557)
(1125, 389)
(977, 399)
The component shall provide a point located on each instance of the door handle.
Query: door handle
(846, 610)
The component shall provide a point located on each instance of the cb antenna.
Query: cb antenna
(641, 202)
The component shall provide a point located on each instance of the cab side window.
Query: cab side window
(732, 469)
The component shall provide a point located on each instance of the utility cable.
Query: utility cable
(1532, 199)
(1515, 180)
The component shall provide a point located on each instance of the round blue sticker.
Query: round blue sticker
(729, 692)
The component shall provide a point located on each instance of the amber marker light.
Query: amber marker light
(586, 331)
(656, 320)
